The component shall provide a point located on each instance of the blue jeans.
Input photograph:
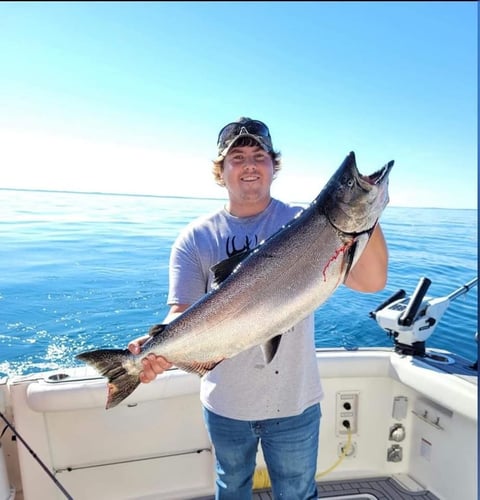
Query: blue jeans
(289, 445)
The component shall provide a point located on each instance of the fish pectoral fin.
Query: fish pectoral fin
(350, 259)
(270, 348)
(354, 252)
(200, 368)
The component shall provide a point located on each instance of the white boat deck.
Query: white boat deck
(155, 445)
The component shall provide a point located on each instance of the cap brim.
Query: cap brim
(266, 147)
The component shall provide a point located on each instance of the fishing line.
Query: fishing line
(35, 456)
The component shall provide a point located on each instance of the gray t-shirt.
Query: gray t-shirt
(244, 387)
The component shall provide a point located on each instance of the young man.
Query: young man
(245, 400)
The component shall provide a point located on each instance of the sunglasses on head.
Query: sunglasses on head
(234, 129)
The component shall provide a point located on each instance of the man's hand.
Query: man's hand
(152, 365)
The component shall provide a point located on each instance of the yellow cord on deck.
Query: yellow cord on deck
(261, 478)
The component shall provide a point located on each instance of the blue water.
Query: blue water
(82, 271)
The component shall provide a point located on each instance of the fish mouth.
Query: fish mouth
(378, 176)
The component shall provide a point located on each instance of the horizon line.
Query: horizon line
(146, 195)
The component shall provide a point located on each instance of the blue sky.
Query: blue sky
(129, 96)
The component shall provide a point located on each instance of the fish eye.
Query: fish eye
(348, 181)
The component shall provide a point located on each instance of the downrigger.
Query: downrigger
(410, 321)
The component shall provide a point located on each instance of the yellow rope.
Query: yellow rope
(345, 451)
(261, 478)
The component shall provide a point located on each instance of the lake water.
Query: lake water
(82, 271)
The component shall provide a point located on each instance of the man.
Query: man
(245, 400)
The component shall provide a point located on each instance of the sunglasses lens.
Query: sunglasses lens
(231, 130)
(258, 128)
(228, 132)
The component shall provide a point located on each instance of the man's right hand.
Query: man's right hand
(152, 365)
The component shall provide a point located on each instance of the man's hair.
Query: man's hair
(217, 168)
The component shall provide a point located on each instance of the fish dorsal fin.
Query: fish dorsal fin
(156, 330)
(270, 348)
(223, 269)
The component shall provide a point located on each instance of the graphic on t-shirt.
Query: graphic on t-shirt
(232, 250)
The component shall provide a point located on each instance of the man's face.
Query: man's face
(248, 173)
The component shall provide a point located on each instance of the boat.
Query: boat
(397, 423)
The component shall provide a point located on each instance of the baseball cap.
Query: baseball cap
(244, 127)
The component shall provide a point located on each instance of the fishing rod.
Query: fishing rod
(35, 456)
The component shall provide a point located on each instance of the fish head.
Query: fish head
(354, 202)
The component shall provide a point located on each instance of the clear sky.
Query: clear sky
(129, 96)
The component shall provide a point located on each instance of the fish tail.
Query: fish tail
(120, 369)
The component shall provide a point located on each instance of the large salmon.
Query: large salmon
(267, 291)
